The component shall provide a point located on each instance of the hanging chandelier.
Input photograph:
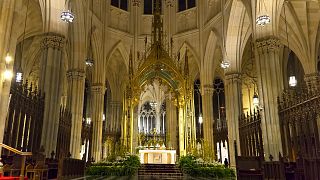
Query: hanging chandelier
(200, 119)
(67, 16)
(225, 64)
(262, 20)
(89, 62)
(292, 81)
(255, 100)
(19, 77)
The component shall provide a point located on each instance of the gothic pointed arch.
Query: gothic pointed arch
(209, 64)
(237, 35)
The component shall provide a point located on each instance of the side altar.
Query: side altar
(158, 156)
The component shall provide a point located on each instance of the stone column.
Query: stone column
(76, 81)
(233, 111)
(148, 123)
(51, 75)
(97, 97)
(207, 107)
(270, 84)
(182, 136)
(115, 116)
(7, 39)
(171, 118)
(143, 124)
(163, 123)
(312, 80)
(158, 118)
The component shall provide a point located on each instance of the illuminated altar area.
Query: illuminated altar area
(150, 156)
(158, 105)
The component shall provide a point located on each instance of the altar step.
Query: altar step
(159, 171)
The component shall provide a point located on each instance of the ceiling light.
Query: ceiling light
(262, 20)
(67, 16)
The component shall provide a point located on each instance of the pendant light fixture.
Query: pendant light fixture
(255, 101)
(19, 74)
(67, 15)
(89, 59)
(262, 19)
(292, 79)
(199, 105)
(225, 64)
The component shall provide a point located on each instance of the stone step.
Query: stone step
(159, 171)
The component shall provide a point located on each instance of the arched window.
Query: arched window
(149, 6)
(186, 4)
(122, 4)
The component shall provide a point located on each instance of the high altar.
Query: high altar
(159, 96)
(149, 156)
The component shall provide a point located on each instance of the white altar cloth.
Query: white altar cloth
(149, 156)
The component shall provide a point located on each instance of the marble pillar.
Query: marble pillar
(51, 76)
(97, 98)
(233, 110)
(270, 85)
(208, 119)
(75, 99)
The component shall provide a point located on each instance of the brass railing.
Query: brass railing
(23, 154)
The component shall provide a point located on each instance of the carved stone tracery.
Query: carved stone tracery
(268, 44)
(53, 41)
(97, 88)
(76, 74)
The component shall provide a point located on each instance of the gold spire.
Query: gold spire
(186, 65)
(157, 24)
(130, 65)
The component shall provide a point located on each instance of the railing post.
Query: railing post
(23, 162)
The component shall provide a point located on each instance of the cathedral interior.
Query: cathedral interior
(235, 81)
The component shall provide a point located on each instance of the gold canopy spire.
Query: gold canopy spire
(157, 24)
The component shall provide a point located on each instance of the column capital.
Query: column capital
(267, 44)
(54, 41)
(98, 88)
(76, 74)
(115, 103)
(312, 79)
(233, 77)
(207, 89)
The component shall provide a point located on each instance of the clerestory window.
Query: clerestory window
(149, 6)
(122, 4)
(186, 4)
